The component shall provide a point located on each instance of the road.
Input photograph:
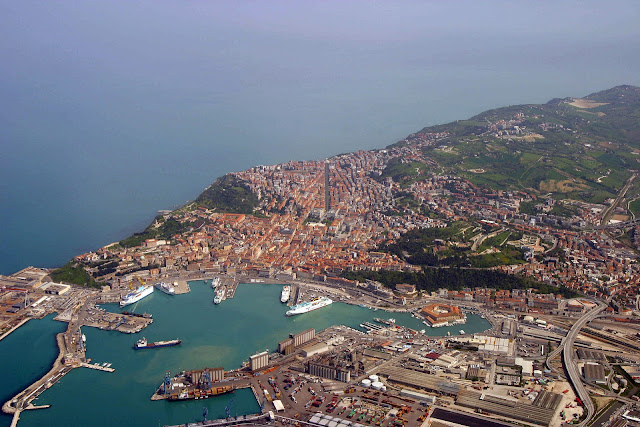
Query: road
(609, 211)
(570, 365)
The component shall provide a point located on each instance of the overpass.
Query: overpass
(568, 360)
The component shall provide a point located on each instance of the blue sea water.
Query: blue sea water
(212, 335)
(112, 110)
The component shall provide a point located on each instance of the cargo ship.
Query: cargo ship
(306, 307)
(136, 295)
(142, 344)
(166, 288)
(197, 384)
(219, 296)
(200, 393)
(286, 292)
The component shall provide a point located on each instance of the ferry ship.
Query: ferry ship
(219, 296)
(136, 295)
(215, 282)
(306, 307)
(286, 292)
(142, 344)
(166, 288)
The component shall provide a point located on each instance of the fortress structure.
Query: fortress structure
(442, 315)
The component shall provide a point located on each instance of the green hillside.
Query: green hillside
(572, 148)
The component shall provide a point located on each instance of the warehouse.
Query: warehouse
(541, 411)
(419, 380)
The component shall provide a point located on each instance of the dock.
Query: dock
(128, 324)
(245, 419)
(231, 286)
(96, 367)
(181, 287)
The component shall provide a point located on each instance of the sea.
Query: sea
(110, 111)
(222, 335)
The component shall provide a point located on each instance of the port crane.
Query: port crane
(228, 408)
(166, 385)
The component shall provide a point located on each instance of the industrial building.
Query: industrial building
(594, 373)
(303, 337)
(314, 349)
(418, 396)
(286, 346)
(340, 366)
(419, 380)
(259, 361)
(210, 374)
(330, 372)
(541, 411)
(54, 288)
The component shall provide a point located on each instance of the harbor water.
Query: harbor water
(212, 335)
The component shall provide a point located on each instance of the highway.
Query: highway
(609, 212)
(570, 365)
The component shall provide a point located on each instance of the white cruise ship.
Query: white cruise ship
(215, 282)
(286, 292)
(306, 307)
(136, 295)
(166, 288)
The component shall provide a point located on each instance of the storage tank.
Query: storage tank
(374, 378)
(366, 383)
(377, 385)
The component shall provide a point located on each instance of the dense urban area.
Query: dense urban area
(525, 216)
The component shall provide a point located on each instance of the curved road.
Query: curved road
(569, 361)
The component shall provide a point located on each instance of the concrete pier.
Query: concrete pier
(14, 327)
(23, 399)
(96, 367)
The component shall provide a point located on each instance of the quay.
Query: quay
(12, 328)
(233, 421)
(181, 287)
(22, 400)
(96, 367)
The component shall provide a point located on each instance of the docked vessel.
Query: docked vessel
(219, 296)
(286, 292)
(306, 307)
(136, 295)
(142, 344)
(215, 282)
(196, 384)
(166, 288)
